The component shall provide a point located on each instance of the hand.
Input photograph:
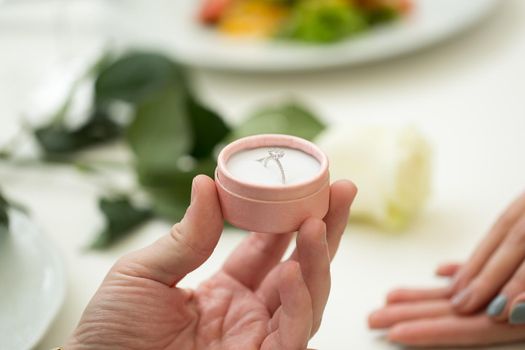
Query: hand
(454, 315)
(495, 273)
(254, 301)
(425, 317)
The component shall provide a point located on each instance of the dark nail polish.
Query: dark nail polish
(497, 305)
(517, 315)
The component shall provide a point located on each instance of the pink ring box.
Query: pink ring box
(272, 208)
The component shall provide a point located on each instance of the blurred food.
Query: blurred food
(319, 21)
(390, 166)
(212, 10)
(253, 17)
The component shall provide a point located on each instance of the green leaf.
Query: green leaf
(208, 128)
(4, 218)
(121, 217)
(135, 76)
(290, 118)
(169, 124)
(57, 139)
(170, 189)
(160, 133)
(60, 115)
(3, 230)
(102, 63)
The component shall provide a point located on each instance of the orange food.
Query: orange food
(402, 6)
(256, 18)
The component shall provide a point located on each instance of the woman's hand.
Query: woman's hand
(488, 289)
(254, 301)
(426, 317)
(495, 273)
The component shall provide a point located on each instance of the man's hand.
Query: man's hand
(254, 301)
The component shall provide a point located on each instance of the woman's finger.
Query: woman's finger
(255, 257)
(497, 271)
(500, 307)
(391, 315)
(403, 295)
(448, 269)
(489, 245)
(314, 260)
(454, 330)
(187, 246)
(291, 324)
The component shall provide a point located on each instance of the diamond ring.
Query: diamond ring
(274, 154)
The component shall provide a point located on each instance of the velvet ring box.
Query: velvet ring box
(272, 183)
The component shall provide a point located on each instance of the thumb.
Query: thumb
(189, 243)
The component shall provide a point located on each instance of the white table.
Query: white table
(467, 95)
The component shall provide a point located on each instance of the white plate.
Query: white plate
(178, 32)
(32, 284)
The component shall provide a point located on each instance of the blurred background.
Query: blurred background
(420, 103)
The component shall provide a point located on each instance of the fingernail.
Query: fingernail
(497, 305)
(517, 316)
(461, 297)
(193, 190)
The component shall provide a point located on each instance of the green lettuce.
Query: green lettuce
(323, 21)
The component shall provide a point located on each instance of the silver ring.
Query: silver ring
(274, 154)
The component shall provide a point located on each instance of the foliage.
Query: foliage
(4, 218)
(58, 140)
(121, 217)
(172, 134)
(135, 76)
(288, 118)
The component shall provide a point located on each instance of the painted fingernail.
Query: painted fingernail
(461, 297)
(497, 305)
(517, 315)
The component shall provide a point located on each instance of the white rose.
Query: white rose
(390, 166)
